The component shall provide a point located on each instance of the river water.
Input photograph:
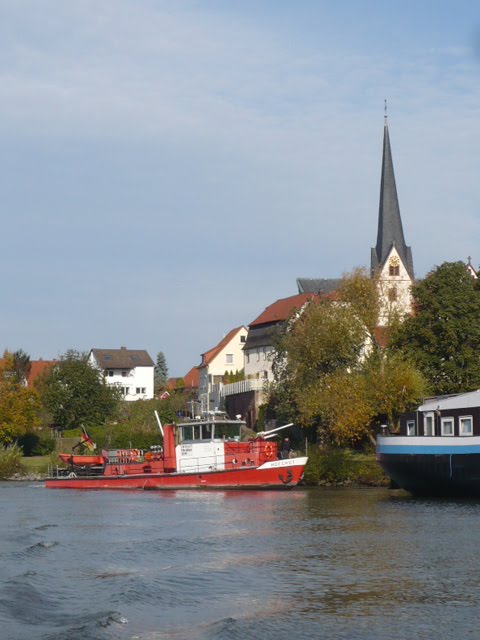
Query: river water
(310, 563)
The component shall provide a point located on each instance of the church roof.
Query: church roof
(318, 285)
(390, 229)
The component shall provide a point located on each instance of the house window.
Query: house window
(140, 390)
(429, 425)
(466, 426)
(248, 357)
(243, 338)
(392, 294)
(109, 373)
(258, 355)
(124, 390)
(229, 358)
(264, 354)
(124, 374)
(447, 426)
(411, 431)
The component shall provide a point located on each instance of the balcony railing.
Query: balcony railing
(242, 387)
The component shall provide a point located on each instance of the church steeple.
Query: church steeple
(390, 229)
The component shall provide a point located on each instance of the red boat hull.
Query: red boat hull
(281, 474)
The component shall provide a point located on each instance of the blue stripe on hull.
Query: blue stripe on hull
(427, 449)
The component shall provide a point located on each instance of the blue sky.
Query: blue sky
(169, 168)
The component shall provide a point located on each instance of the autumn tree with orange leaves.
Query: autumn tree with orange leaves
(19, 406)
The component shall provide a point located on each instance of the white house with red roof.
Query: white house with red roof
(262, 333)
(226, 356)
(244, 397)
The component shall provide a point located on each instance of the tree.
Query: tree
(330, 373)
(443, 336)
(76, 394)
(21, 365)
(161, 372)
(324, 338)
(19, 405)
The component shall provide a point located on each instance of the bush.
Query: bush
(10, 460)
(37, 444)
(335, 466)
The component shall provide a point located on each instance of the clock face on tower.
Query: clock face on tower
(394, 266)
(394, 261)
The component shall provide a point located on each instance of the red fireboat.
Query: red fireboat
(211, 453)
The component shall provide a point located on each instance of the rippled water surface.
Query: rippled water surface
(317, 563)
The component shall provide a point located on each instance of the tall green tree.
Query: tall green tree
(161, 372)
(75, 393)
(443, 336)
(21, 365)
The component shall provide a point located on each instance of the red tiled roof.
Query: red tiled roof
(283, 308)
(191, 378)
(171, 383)
(208, 356)
(37, 368)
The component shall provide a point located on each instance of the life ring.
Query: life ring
(268, 450)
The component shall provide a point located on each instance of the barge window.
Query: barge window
(411, 431)
(428, 425)
(466, 426)
(447, 426)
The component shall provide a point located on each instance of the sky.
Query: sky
(169, 168)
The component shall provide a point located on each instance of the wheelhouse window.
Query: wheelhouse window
(206, 433)
(447, 426)
(192, 432)
(466, 426)
(411, 430)
(227, 432)
(429, 425)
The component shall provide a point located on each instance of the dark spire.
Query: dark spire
(390, 230)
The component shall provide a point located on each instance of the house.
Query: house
(36, 369)
(131, 370)
(245, 397)
(226, 356)
(263, 331)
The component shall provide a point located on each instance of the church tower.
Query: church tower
(391, 259)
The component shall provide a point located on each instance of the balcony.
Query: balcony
(242, 387)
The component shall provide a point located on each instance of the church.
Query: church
(391, 260)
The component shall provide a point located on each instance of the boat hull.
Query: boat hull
(280, 474)
(432, 466)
